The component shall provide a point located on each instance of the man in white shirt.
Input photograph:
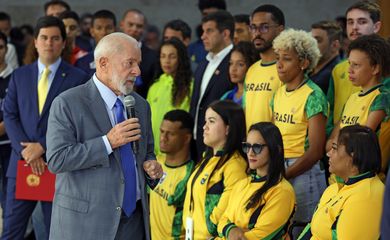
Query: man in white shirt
(212, 75)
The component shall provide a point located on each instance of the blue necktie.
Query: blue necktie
(128, 167)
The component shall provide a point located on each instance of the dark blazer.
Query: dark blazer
(87, 64)
(3, 90)
(218, 85)
(149, 63)
(89, 183)
(21, 117)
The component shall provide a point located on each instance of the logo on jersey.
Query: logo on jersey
(161, 192)
(349, 120)
(293, 110)
(204, 178)
(257, 87)
(284, 118)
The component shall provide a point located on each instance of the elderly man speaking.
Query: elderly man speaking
(100, 185)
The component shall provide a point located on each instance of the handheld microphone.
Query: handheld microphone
(130, 110)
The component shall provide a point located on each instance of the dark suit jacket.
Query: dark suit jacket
(3, 90)
(89, 183)
(22, 120)
(218, 85)
(148, 68)
(87, 64)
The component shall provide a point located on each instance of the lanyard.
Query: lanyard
(198, 172)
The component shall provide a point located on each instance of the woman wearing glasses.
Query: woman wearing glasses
(300, 110)
(260, 205)
(223, 165)
(352, 210)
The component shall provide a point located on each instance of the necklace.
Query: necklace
(291, 92)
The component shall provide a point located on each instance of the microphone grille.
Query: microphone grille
(129, 101)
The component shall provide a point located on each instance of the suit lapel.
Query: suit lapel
(217, 74)
(32, 88)
(99, 111)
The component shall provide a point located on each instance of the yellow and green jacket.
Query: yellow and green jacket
(348, 211)
(269, 220)
(166, 201)
(207, 196)
(160, 101)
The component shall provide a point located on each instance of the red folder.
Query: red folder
(33, 187)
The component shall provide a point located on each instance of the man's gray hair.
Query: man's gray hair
(112, 44)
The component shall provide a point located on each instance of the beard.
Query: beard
(266, 45)
(124, 88)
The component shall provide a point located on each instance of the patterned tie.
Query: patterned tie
(128, 166)
(43, 84)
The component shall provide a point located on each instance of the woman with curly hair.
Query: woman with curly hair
(300, 110)
(173, 88)
(369, 61)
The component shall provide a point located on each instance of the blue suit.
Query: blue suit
(24, 124)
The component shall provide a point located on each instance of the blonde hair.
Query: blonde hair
(302, 43)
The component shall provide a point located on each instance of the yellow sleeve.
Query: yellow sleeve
(234, 171)
(224, 220)
(228, 215)
(359, 220)
(274, 215)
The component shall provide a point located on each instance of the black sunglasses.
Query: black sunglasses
(256, 148)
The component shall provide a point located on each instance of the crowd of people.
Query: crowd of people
(253, 131)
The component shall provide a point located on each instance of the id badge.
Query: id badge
(189, 228)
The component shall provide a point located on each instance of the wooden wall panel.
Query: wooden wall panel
(385, 15)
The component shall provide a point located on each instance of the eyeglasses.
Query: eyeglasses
(256, 148)
(262, 28)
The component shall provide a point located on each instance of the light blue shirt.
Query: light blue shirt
(53, 69)
(109, 98)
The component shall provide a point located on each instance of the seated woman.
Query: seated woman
(173, 87)
(353, 210)
(266, 199)
(369, 58)
(300, 110)
(242, 57)
(222, 166)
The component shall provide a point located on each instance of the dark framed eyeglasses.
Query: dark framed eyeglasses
(256, 148)
(262, 28)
